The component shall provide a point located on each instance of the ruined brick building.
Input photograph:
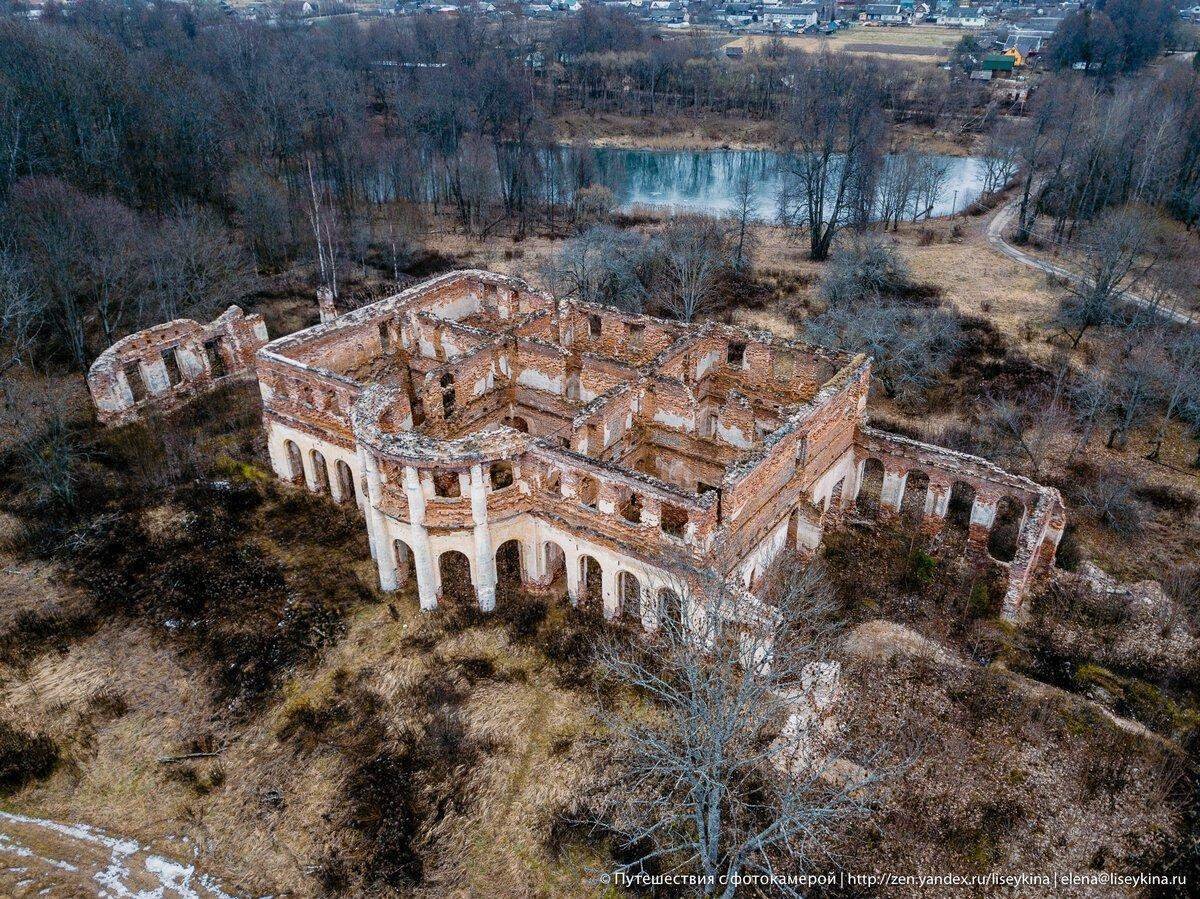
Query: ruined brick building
(485, 428)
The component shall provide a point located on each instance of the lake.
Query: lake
(703, 180)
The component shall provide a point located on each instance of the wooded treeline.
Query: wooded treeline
(153, 158)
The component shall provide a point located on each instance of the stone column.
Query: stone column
(937, 503)
(367, 506)
(377, 532)
(422, 557)
(608, 592)
(983, 516)
(573, 586)
(485, 557)
(892, 494)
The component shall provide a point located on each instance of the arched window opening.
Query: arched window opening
(295, 462)
(345, 479)
(403, 561)
(631, 510)
(670, 609)
(556, 563)
(629, 595)
(137, 383)
(501, 475)
(508, 567)
(455, 570)
(674, 521)
(448, 394)
(871, 488)
(1006, 530)
(446, 484)
(588, 492)
(519, 424)
(958, 510)
(591, 583)
(320, 472)
(835, 496)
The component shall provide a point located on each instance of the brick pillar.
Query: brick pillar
(937, 504)
(892, 494)
(983, 516)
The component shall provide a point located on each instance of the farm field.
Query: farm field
(917, 42)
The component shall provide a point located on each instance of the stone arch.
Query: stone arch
(670, 608)
(403, 556)
(320, 472)
(518, 423)
(345, 480)
(508, 566)
(834, 500)
(295, 461)
(555, 561)
(870, 487)
(916, 491)
(958, 508)
(629, 595)
(591, 583)
(454, 570)
(1006, 529)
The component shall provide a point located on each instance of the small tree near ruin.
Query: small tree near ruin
(733, 772)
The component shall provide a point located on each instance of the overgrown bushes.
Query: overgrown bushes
(23, 757)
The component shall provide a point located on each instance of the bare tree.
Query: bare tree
(20, 323)
(833, 136)
(1113, 261)
(729, 776)
(601, 265)
(745, 205)
(1179, 380)
(1131, 378)
(1035, 421)
(1002, 159)
(694, 253)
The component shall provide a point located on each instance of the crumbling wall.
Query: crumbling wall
(163, 367)
(1043, 513)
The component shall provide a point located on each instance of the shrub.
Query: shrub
(23, 757)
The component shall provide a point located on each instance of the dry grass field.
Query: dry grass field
(912, 43)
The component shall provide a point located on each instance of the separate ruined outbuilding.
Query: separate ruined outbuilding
(160, 368)
(628, 458)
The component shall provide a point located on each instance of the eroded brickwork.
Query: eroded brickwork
(162, 367)
(484, 427)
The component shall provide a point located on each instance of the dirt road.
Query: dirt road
(47, 858)
(999, 224)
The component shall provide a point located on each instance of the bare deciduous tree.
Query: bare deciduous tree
(724, 776)
(1113, 261)
(601, 265)
(694, 253)
(833, 134)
